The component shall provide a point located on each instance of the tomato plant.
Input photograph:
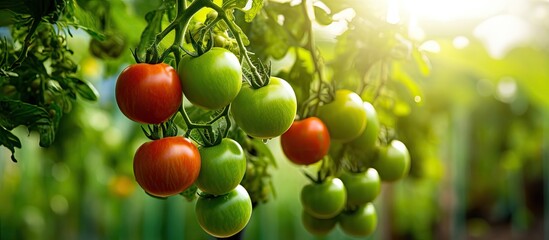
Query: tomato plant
(211, 80)
(317, 226)
(393, 162)
(306, 142)
(265, 112)
(225, 215)
(324, 200)
(362, 187)
(166, 166)
(222, 168)
(361, 222)
(345, 116)
(148, 93)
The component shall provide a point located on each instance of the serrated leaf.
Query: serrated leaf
(10, 141)
(14, 113)
(322, 17)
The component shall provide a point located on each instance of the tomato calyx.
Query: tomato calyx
(207, 136)
(162, 130)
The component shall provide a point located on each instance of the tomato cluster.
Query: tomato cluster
(216, 164)
(345, 136)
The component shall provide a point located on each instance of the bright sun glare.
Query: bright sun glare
(447, 10)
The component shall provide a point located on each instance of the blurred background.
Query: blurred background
(478, 139)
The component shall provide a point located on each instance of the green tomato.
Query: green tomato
(345, 116)
(266, 112)
(226, 215)
(359, 223)
(362, 187)
(317, 226)
(211, 80)
(324, 200)
(393, 161)
(223, 167)
(367, 140)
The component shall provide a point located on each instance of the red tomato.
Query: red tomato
(166, 166)
(148, 93)
(306, 142)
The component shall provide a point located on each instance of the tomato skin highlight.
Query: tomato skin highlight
(345, 116)
(148, 93)
(393, 162)
(324, 200)
(266, 112)
(306, 141)
(166, 166)
(223, 167)
(226, 215)
(211, 80)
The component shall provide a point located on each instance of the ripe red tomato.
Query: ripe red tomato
(226, 215)
(223, 167)
(324, 200)
(148, 93)
(306, 142)
(393, 161)
(166, 166)
(211, 80)
(345, 117)
(359, 223)
(266, 112)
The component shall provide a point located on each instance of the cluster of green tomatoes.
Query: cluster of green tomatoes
(344, 134)
(170, 164)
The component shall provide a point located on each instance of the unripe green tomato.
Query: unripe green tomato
(211, 80)
(223, 167)
(345, 116)
(393, 162)
(317, 226)
(359, 223)
(362, 187)
(266, 112)
(226, 215)
(367, 140)
(324, 200)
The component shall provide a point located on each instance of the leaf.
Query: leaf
(252, 12)
(322, 17)
(154, 26)
(10, 141)
(85, 89)
(14, 113)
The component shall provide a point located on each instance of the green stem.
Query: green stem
(313, 50)
(257, 82)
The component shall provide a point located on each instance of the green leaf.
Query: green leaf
(322, 17)
(14, 113)
(256, 7)
(154, 26)
(85, 89)
(10, 141)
